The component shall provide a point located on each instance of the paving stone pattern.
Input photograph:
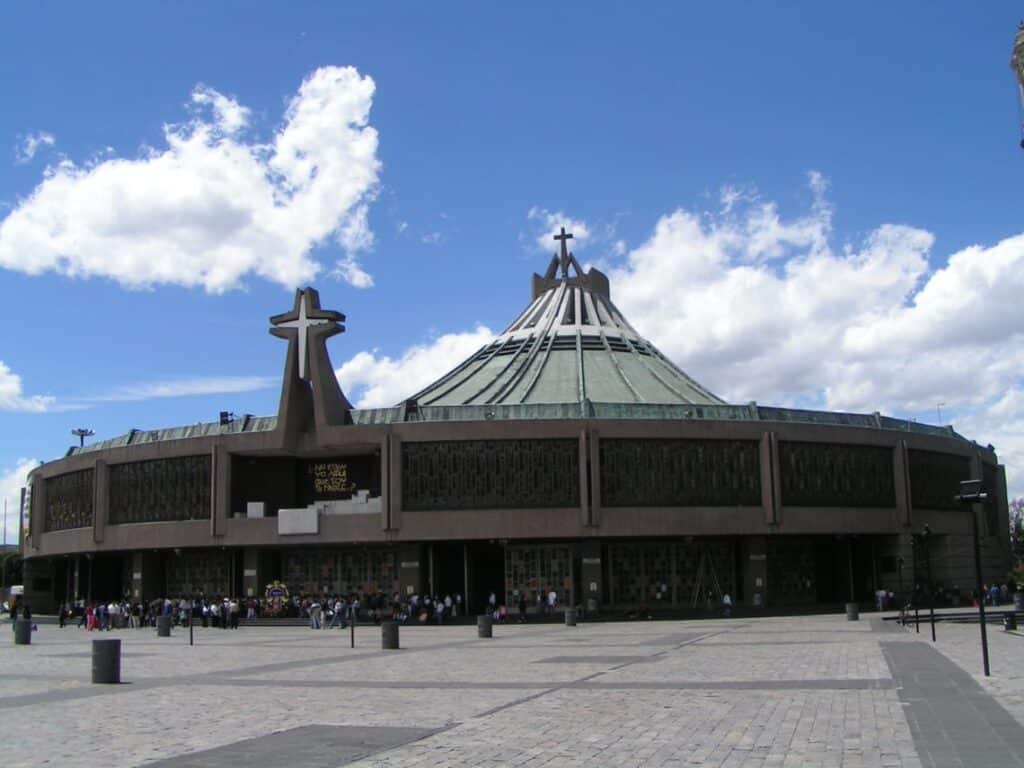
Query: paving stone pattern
(795, 691)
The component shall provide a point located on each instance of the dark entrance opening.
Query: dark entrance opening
(486, 565)
(107, 581)
(449, 570)
(837, 559)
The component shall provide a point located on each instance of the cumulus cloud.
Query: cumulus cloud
(32, 143)
(372, 380)
(546, 224)
(760, 306)
(12, 398)
(209, 208)
(12, 480)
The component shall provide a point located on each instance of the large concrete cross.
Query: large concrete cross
(564, 237)
(304, 316)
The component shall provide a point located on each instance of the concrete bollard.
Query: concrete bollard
(1010, 622)
(106, 661)
(389, 635)
(852, 612)
(23, 632)
(570, 617)
(484, 625)
(163, 626)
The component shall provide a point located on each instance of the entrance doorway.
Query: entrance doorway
(486, 567)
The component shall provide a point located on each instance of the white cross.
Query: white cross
(303, 324)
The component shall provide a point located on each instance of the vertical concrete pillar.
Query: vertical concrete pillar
(393, 478)
(595, 479)
(767, 480)
(100, 499)
(901, 481)
(220, 492)
(591, 575)
(383, 468)
(755, 570)
(37, 513)
(584, 480)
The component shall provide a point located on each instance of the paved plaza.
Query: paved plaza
(792, 691)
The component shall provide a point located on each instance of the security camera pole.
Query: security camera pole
(972, 492)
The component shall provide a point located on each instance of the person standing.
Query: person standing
(552, 600)
(522, 606)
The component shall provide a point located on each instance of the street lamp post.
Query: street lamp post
(926, 536)
(972, 492)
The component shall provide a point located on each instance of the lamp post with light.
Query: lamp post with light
(972, 492)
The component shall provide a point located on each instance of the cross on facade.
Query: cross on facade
(564, 260)
(304, 316)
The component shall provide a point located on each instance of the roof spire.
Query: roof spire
(566, 256)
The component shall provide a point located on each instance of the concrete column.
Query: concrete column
(591, 575)
(153, 582)
(583, 480)
(100, 499)
(393, 478)
(901, 481)
(768, 480)
(250, 572)
(755, 570)
(385, 492)
(595, 479)
(37, 513)
(220, 491)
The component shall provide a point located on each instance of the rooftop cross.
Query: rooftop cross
(564, 260)
(305, 315)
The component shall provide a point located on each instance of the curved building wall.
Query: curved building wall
(621, 501)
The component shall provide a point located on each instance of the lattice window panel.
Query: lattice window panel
(935, 479)
(680, 473)
(160, 490)
(206, 572)
(538, 569)
(490, 474)
(627, 573)
(836, 475)
(69, 501)
(658, 572)
(791, 570)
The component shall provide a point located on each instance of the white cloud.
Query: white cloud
(209, 209)
(759, 306)
(12, 480)
(377, 381)
(546, 224)
(31, 144)
(432, 238)
(186, 387)
(231, 117)
(12, 399)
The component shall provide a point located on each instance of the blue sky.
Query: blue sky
(811, 204)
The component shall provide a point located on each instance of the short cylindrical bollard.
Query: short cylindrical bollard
(389, 635)
(570, 617)
(1010, 622)
(484, 625)
(852, 612)
(106, 661)
(163, 626)
(23, 632)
